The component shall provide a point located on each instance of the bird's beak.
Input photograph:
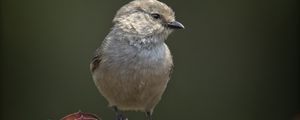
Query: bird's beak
(175, 25)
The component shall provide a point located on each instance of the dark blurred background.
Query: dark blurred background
(236, 59)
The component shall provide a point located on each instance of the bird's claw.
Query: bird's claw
(121, 117)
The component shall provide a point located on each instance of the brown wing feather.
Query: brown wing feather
(95, 61)
(171, 71)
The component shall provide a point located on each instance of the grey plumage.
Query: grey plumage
(131, 68)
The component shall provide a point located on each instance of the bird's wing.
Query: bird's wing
(171, 71)
(95, 61)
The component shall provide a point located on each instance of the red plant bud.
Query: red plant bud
(80, 116)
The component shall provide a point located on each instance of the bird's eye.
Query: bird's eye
(156, 16)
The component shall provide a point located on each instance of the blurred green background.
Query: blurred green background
(236, 59)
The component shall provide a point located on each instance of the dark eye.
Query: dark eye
(156, 16)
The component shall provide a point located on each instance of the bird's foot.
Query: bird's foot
(149, 115)
(119, 114)
(121, 117)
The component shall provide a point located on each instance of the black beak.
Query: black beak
(175, 25)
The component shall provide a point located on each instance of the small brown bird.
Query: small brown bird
(131, 68)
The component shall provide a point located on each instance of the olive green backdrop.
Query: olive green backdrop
(236, 59)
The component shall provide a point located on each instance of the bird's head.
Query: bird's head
(147, 18)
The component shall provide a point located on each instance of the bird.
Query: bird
(132, 66)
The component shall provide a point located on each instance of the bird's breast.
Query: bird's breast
(128, 58)
(129, 77)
